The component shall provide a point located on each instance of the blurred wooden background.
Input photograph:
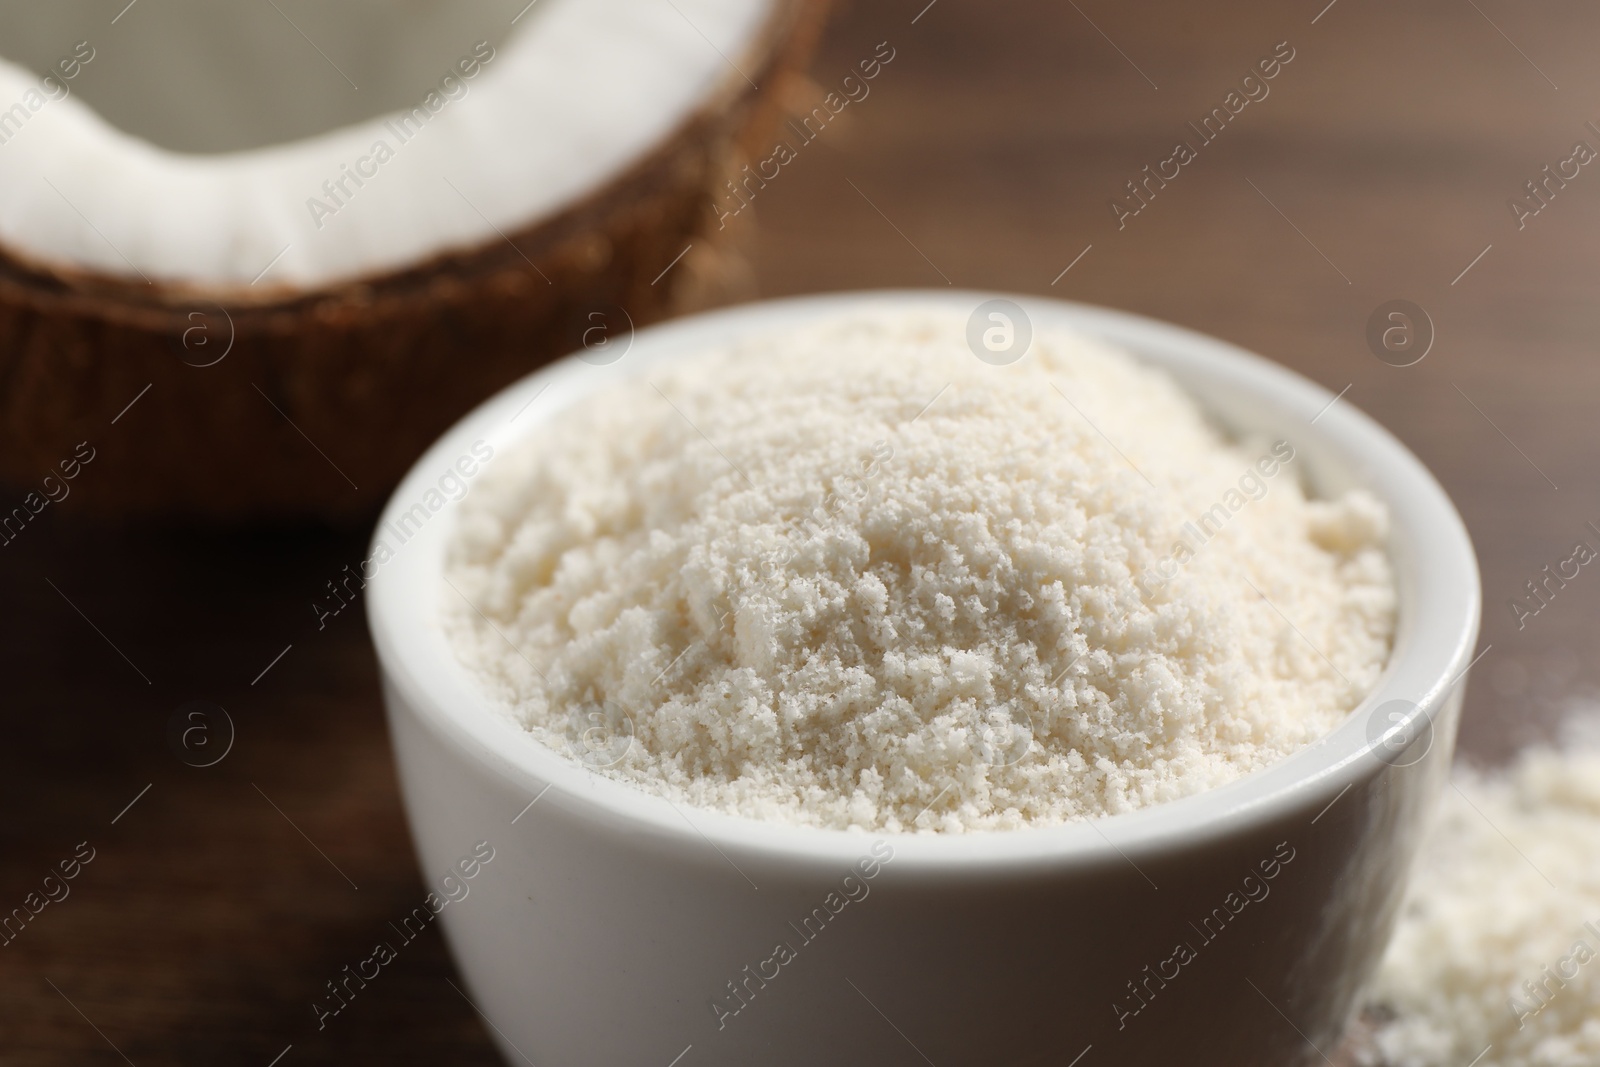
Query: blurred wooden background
(1379, 167)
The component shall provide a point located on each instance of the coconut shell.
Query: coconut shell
(290, 405)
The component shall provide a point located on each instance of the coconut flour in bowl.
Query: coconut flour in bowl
(852, 576)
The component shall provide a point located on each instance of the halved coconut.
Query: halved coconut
(302, 236)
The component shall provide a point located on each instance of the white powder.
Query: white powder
(853, 576)
(1498, 950)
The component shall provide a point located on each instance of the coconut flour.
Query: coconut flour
(1496, 961)
(852, 576)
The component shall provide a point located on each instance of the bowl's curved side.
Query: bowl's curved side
(590, 942)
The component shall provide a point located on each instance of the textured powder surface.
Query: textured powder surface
(1498, 950)
(851, 576)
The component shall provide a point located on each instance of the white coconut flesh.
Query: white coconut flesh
(302, 143)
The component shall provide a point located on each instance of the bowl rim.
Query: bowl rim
(1436, 572)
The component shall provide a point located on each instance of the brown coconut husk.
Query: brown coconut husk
(326, 396)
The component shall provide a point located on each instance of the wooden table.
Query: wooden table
(1378, 167)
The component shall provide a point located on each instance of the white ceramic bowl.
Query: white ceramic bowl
(612, 927)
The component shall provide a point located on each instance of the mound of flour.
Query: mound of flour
(1496, 960)
(852, 576)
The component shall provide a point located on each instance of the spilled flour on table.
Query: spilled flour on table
(1497, 954)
